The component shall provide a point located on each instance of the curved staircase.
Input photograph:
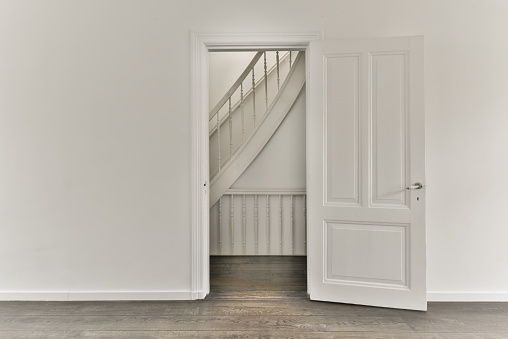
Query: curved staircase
(242, 155)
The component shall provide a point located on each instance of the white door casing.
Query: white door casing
(201, 44)
(365, 130)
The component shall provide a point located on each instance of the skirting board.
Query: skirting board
(467, 296)
(187, 295)
(100, 296)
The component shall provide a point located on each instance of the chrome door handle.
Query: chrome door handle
(416, 186)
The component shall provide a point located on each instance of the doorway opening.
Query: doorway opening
(257, 215)
(201, 44)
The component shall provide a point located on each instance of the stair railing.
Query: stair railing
(215, 118)
(274, 230)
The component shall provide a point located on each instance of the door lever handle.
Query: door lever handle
(416, 186)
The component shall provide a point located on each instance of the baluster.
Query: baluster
(230, 130)
(232, 222)
(305, 225)
(278, 76)
(292, 222)
(256, 225)
(280, 222)
(267, 224)
(218, 138)
(242, 109)
(253, 97)
(290, 60)
(244, 225)
(220, 225)
(266, 82)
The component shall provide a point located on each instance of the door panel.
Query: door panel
(389, 111)
(342, 130)
(366, 231)
(366, 253)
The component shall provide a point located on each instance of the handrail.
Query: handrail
(236, 105)
(235, 86)
(215, 176)
(236, 191)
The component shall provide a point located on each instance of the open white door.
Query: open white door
(366, 160)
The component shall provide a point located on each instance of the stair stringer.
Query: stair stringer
(271, 121)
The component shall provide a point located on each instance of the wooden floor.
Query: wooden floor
(251, 297)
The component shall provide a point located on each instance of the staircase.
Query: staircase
(241, 156)
(239, 130)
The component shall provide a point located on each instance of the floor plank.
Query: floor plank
(251, 297)
(235, 334)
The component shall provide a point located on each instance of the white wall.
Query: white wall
(224, 70)
(281, 164)
(95, 136)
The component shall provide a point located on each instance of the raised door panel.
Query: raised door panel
(389, 107)
(342, 110)
(366, 254)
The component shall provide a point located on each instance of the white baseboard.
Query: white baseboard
(98, 295)
(467, 296)
(199, 295)
(188, 295)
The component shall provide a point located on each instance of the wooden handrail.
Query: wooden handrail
(235, 86)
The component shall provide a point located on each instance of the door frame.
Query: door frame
(201, 44)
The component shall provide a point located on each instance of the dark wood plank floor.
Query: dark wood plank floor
(251, 297)
(258, 277)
